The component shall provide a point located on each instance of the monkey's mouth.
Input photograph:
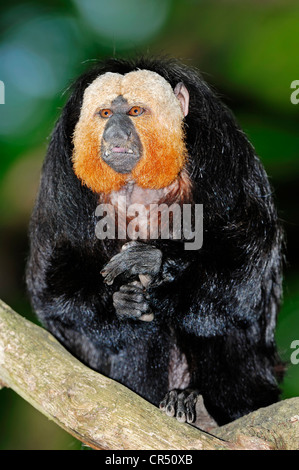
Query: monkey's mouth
(121, 159)
(121, 150)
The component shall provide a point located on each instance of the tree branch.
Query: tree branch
(106, 415)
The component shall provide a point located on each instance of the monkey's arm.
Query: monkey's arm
(71, 300)
(206, 291)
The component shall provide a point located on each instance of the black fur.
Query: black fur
(218, 305)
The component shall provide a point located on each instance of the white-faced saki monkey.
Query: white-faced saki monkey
(169, 322)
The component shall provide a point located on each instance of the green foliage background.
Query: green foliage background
(247, 50)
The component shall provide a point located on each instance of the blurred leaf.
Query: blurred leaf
(288, 331)
(277, 145)
(126, 23)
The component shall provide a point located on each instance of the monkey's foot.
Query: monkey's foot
(180, 404)
(131, 302)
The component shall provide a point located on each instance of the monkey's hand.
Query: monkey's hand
(135, 259)
(131, 301)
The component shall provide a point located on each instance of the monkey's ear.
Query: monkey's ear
(182, 95)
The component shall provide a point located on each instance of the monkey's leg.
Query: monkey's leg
(234, 373)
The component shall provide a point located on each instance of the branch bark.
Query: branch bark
(106, 415)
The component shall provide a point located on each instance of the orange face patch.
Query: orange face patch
(163, 159)
(160, 130)
(88, 164)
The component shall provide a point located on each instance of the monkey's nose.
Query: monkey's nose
(117, 132)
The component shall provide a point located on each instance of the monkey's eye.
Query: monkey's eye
(105, 113)
(136, 111)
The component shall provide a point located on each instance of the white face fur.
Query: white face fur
(139, 87)
(159, 128)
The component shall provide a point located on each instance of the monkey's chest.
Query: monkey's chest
(141, 213)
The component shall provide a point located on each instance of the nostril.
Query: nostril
(115, 133)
